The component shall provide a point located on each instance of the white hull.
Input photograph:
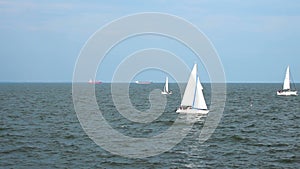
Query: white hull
(192, 111)
(165, 93)
(287, 93)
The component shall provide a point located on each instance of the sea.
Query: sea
(39, 128)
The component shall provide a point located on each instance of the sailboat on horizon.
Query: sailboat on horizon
(193, 99)
(286, 90)
(166, 88)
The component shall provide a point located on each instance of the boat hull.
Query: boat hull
(192, 111)
(287, 93)
(166, 93)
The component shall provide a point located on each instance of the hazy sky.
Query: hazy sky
(256, 40)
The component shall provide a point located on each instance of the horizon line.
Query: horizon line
(228, 82)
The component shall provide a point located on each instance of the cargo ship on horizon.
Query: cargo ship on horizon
(143, 82)
(94, 81)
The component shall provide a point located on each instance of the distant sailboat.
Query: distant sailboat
(193, 100)
(286, 91)
(166, 88)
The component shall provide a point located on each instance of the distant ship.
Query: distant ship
(94, 82)
(143, 82)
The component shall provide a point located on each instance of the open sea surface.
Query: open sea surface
(39, 129)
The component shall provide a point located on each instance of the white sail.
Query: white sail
(166, 89)
(286, 84)
(188, 97)
(199, 102)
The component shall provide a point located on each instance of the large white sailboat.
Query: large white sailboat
(286, 91)
(193, 99)
(166, 88)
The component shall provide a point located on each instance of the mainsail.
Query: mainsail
(286, 84)
(166, 88)
(188, 97)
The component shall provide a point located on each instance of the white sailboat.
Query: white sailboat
(193, 99)
(166, 88)
(286, 91)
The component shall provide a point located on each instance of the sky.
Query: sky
(255, 40)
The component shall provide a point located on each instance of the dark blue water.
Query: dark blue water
(39, 129)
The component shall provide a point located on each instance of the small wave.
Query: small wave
(239, 138)
(20, 149)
